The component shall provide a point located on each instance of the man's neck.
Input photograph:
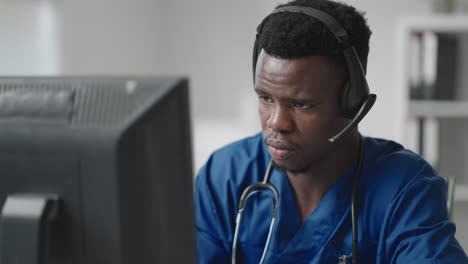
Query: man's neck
(310, 186)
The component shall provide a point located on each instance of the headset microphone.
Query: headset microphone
(366, 106)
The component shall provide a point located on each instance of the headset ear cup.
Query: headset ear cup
(345, 101)
(357, 89)
(351, 100)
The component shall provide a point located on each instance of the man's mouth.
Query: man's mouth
(280, 150)
(279, 153)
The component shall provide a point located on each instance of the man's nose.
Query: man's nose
(281, 120)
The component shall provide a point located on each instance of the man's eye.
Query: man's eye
(302, 106)
(265, 99)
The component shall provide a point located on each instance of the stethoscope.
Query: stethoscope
(266, 185)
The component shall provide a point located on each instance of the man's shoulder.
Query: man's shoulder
(389, 156)
(392, 173)
(236, 161)
(392, 169)
(245, 148)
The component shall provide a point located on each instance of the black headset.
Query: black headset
(356, 100)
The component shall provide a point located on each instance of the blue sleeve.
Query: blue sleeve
(417, 230)
(210, 248)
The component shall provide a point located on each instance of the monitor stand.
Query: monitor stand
(24, 227)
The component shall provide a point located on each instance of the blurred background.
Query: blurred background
(417, 64)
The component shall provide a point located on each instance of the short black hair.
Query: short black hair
(290, 35)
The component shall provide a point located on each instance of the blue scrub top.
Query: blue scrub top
(402, 212)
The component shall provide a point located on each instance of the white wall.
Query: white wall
(111, 36)
(29, 43)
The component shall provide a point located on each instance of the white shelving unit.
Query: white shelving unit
(456, 23)
(438, 109)
(413, 112)
(435, 109)
(461, 192)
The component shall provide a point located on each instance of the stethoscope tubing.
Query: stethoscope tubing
(354, 225)
(266, 185)
(246, 194)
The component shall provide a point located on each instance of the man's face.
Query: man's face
(298, 105)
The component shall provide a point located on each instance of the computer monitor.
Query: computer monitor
(95, 170)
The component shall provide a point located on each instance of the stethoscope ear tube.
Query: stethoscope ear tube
(246, 194)
(354, 195)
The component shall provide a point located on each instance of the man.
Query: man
(301, 74)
